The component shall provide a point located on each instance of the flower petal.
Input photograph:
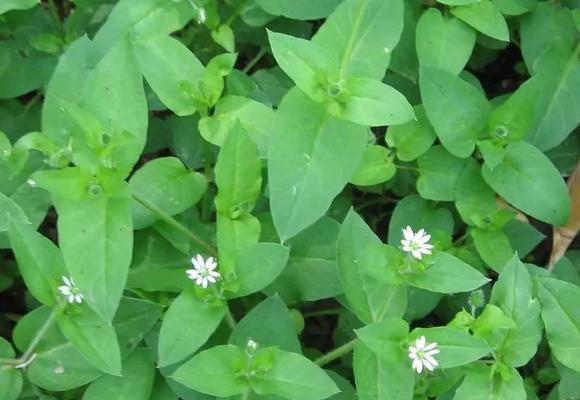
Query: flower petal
(67, 281)
(431, 360)
(430, 346)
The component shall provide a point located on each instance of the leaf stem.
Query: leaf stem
(252, 63)
(174, 223)
(28, 356)
(245, 395)
(230, 320)
(336, 353)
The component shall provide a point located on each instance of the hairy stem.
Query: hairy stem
(175, 223)
(335, 354)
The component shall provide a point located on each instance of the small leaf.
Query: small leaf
(384, 338)
(485, 17)
(295, 377)
(11, 382)
(257, 266)
(377, 167)
(187, 325)
(94, 338)
(224, 36)
(482, 383)
(493, 246)
(167, 184)
(135, 384)
(373, 103)
(561, 319)
(456, 347)
(439, 172)
(456, 109)
(448, 274)
(529, 181)
(444, 42)
(413, 138)
(215, 371)
(299, 9)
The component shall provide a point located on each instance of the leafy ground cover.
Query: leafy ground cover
(289, 199)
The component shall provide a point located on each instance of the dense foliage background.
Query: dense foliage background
(289, 199)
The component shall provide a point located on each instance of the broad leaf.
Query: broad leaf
(456, 109)
(446, 43)
(187, 325)
(439, 172)
(168, 185)
(10, 378)
(485, 17)
(529, 181)
(362, 34)
(299, 9)
(135, 384)
(309, 164)
(481, 383)
(94, 338)
(561, 319)
(447, 274)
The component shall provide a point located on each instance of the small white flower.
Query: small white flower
(70, 291)
(422, 355)
(252, 345)
(416, 243)
(203, 272)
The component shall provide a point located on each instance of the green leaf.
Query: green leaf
(474, 199)
(373, 103)
(238, 174)
(215, 371)
(513, 120)
(484, 17)
(456, 109)
(377, 378)
(513, 294)
(10, 378)
(493, 246)
(529, 181)
(295, 377)
(558, 70)
(539, 29)
(561, 319)
(418, 213)
(413, 138)
(10, 211)
(515, 7)
(384, 338)
(311, 273)
(256, 118)
(377, 167)
(306, 63)
(362, 34)
(272, 259)
(448, 274)
(141, 20)
(439, 172)
(39, 260)
(492, 153)
(93, 337)
(224, 36)
(523, 236)
(446, 43)
(109, 89)
(481, 383)
(170, 68)
(268, 324)
(58, 366)
(234, 235)
(187, 325)
(299, 9)
(134, 319)
(136, 383)
(456, 347)
(8, 5)
(369, 298)
(167, 184)
(308, 164)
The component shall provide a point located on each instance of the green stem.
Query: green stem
(336, 353)
(230, 320)
(28, 355)
(255, 60)
(175, 223)
(245, 395)
(53, 9)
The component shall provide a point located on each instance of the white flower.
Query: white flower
(252, 345)
(203, 272)
(70, 291)
(422, 355)
(416, 243)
